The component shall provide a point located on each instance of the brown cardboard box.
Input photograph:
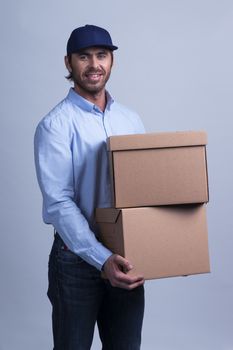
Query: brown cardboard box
(158, 169)
(159, 241)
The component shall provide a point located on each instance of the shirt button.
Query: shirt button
(96, 109)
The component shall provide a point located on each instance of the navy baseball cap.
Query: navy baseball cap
(88, 36)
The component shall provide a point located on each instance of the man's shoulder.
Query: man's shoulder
(58, 117)
(126, 112)
(127, 119)
(58, 112)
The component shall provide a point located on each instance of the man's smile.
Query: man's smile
(94, 77)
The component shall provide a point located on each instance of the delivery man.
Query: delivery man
(72, 171)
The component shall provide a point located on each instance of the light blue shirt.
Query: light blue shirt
(72, 168)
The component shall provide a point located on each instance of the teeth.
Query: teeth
(94, 76)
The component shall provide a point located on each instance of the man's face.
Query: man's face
(90, 69)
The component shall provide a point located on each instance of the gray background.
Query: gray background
(175, 67)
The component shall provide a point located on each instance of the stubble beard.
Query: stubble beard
(91, 88)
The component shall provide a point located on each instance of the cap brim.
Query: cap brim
(109, 47)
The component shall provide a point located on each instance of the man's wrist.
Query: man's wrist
(102, 268)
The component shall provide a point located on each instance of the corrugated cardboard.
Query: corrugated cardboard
(159, 241)
(158, 169)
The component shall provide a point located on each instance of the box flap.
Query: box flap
(156, 140)
(109, 215)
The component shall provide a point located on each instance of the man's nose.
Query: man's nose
(94, 63)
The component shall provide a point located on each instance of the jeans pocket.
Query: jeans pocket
(66, 256)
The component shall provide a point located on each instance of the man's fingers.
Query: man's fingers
(127, 286)
(116, 268)
(127, 279)
(122, 280)
(126, 266)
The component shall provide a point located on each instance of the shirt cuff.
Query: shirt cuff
(98, 256)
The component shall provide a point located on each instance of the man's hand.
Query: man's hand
(115, 269)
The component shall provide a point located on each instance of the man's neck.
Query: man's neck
(98, 98)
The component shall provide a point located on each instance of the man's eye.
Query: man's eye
(83, 57)
(101, 56)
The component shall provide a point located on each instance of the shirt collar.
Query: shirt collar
(86, 105)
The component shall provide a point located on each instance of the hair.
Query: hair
(70, 75)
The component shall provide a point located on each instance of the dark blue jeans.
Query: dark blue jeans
(80, 298)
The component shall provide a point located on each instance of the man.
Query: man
(72, 170)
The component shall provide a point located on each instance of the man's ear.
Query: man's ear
(67, 63)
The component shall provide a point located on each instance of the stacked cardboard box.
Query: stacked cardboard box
(158, 216)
